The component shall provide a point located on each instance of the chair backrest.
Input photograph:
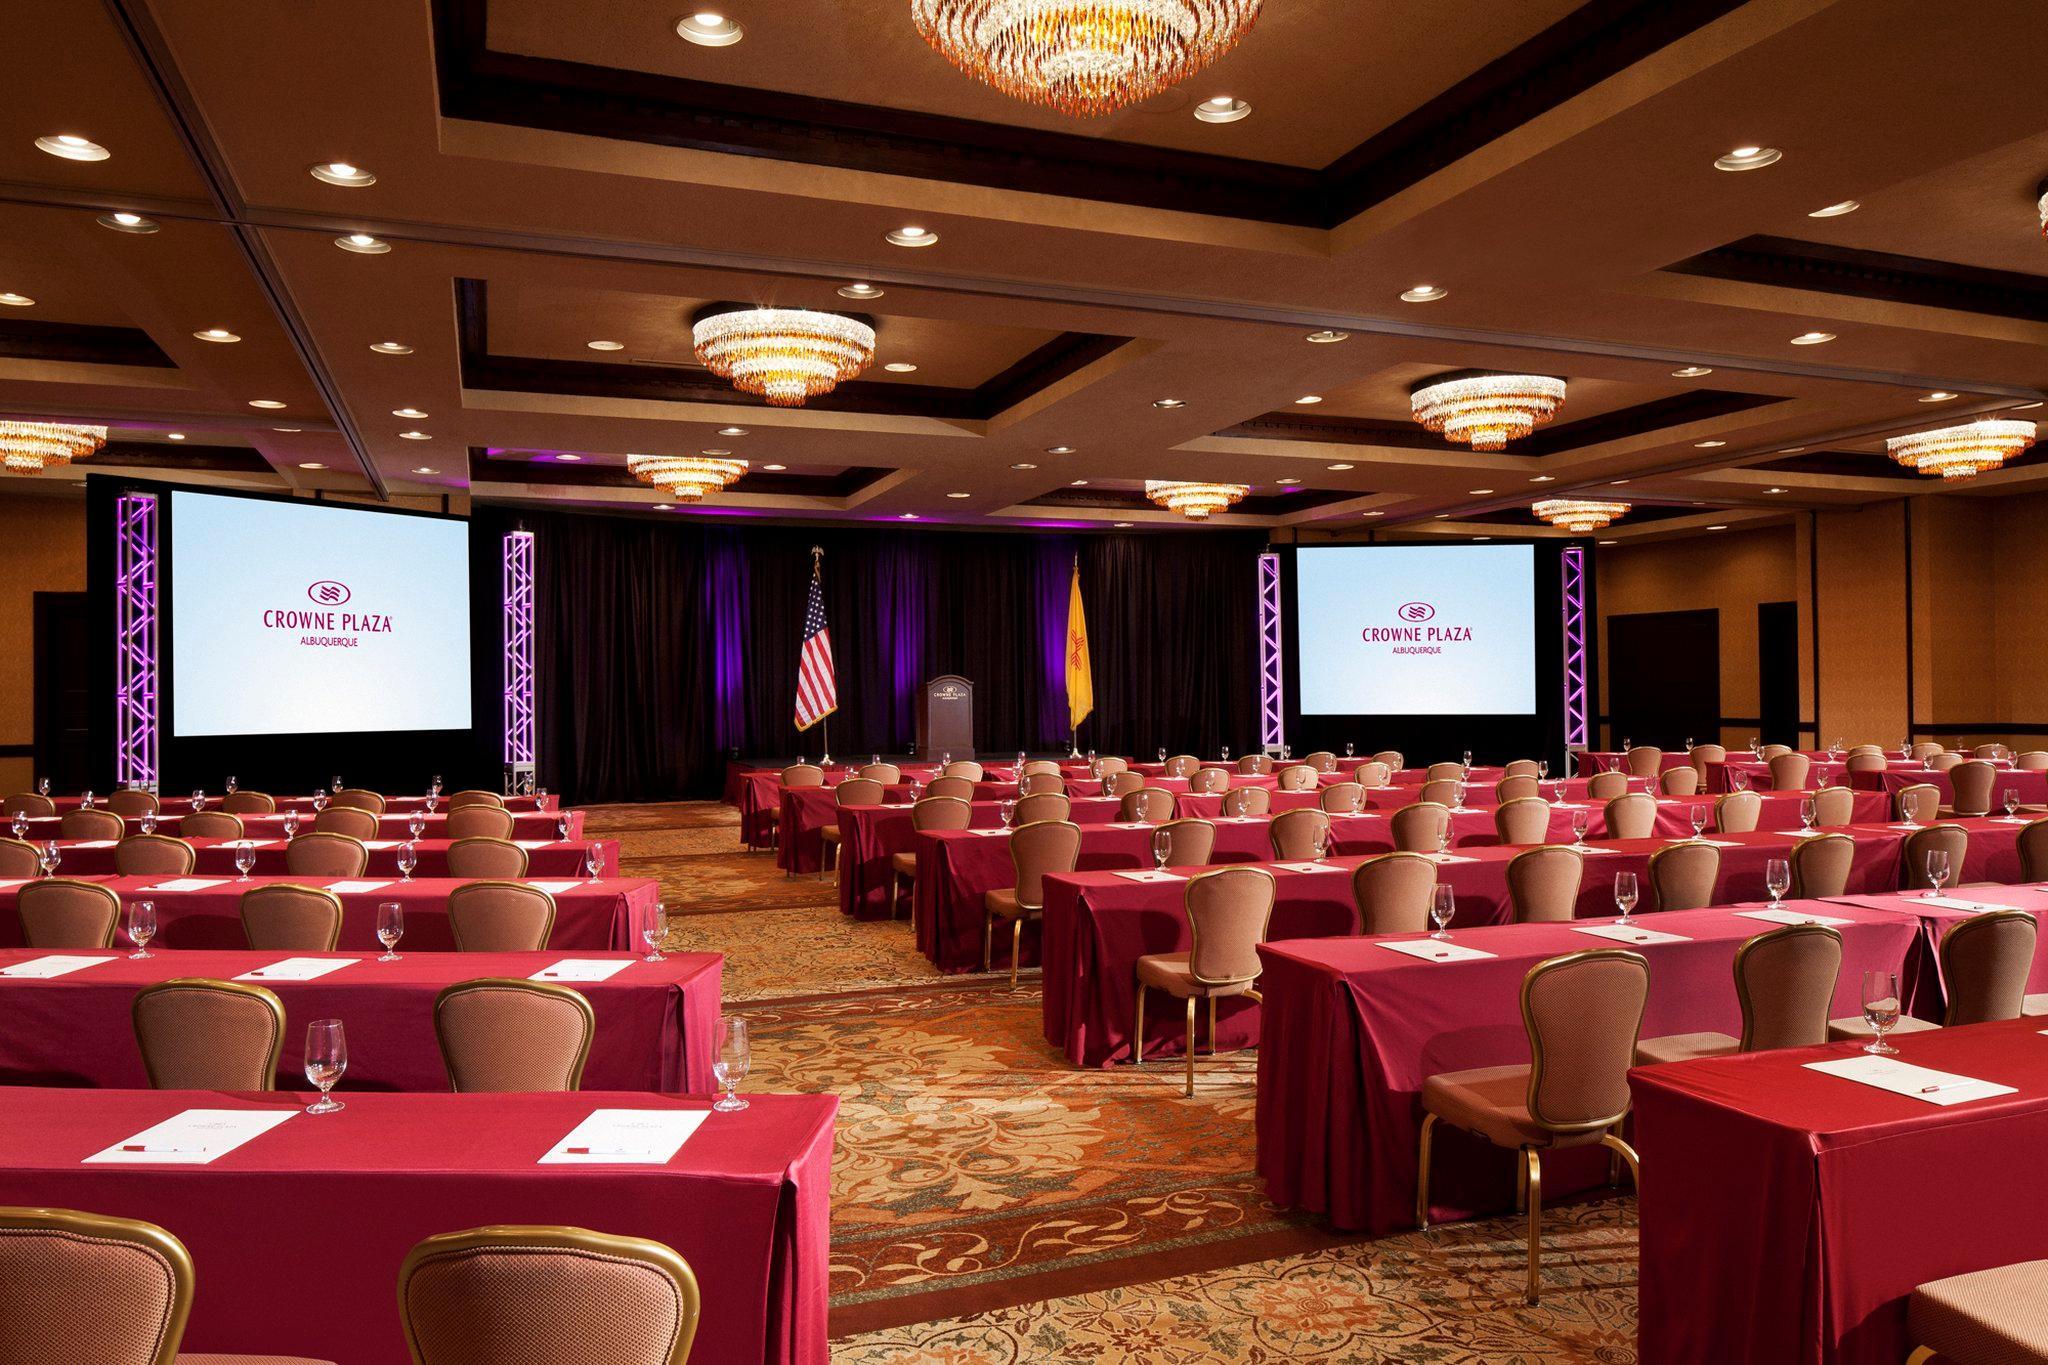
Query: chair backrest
(1420, 826)
(1771, 751)
(28, 803)
(1820, 866)
(482, 822)
(197, 1034)
(2033, 760)
(80, 1287)
(500, 917)
(1322, 760)
(1679, 781)
(18, 859)
(1785, 982)
(1039, 765)
(284, 918)
(97, 823)
(546, 1296)
(803, 775)
(1515, 787)
(1985, 961)
(326, 854)
(1341, 798)
(149, 855)
(503, 1034)
(1153, 805)
(63, 912)
(1183, 765)
(2033, 846)
(1392, 893)
(1210, 780)
(1294, 832)
(1834, 806)
(1523, 767)
(1298, 778)
(1943, 762)
(1393, 758)
(494, 859)
(858, 791)
(888, 774)
(1255, 765)
(1524, 820)
(1038, 782)
(1972, 783)
(1443, 772)
(1584, 1014)
(1126, 782)
(959, 767)
(357, 822)
(359, 798)
(244, 802)
(212, 824)
(1927, 749)
(1543, 884)
(1632, 816)
(1606, 786)
(1877, 749)
(948, 812)
(1228, 911)
(1442, 790)
(474, 796)
(962, 789)
(1866, 761)
(1738, 812)
(1373, 773)
(1989, 751)
(1189, 843)
(1043, 806)
(1039, 848)
(1789, 771)
(1242, 801)
(1109, 766)
(1644, 761)
(131, 802)
(1682, 876)
(1703, 754)
(1953, 839)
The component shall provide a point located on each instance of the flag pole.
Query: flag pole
(1074, 728)
(824, 721)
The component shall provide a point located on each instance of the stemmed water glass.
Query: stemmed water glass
(1350, 749)
(86, 799)
(1937, 871)
(592, 860)
(319, 801)
(326, 1060)
(1777, 879)
(433, 802)
(1226, 754)
(408, 859)
(198, 801)
(232, 784)
(434, 787)
(1461, 791)
(19, 824)
(390, 928)
(562, 826)
(1624, 895)
(1162, 847)
(1809, 811)
(245, 859)
(1699, 821)
(1443, 904)
(2012, 802)
(1319, 842)
(291, 825)
(1581, 821)
(141, 927)
(147, 821)
(43, 785)
(1007, 807)
(1880, 1008)
(654, 931)
(49, 856)
(1443, 838)
(417, 823)
(335, 784)
(735, 1056)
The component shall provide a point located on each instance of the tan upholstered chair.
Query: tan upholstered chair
(936, 812)
(1183, 765)
(1298, 778)
(1583, 1013)
(1877, 749)
(1524, 820)
(150, 855)
(212, 824)
(546, 1296)
(1834, 806)
(1322, 760)
(1441, 790)
(1373, 774)
(1124, 783)
(1943, 762)
(1040, 765)
(1951, 839)
(2032, 761)
(1820, 866)
(97, 823)
(1790, 771)
(1294, 832)
(1738, 813)
(358, 798)
(888, 774)
(1392, 893)
(1153, 805)
(1633, 816)
(1420, 827)
(1393, 758)
(1703, 754)
(1444, 772)
(1926, 749)
(963, 767)
(1255, 765)
(19, 859)
(1523, 767)
(356, 822)
(1043, 806)
(28, 803)
(488, 859)
(477, 822)
(474, 796)
(243, 802)
(1866, 762)
(1110, 766)
(1228, 911)
(1341, 798)
(962, 789)
(197, 1034)
(1643, 761)
(1985, 961)
(325, 854)
(1682, 876)
(796, 775)
(63, 912)
(1040, 782)
(130, 802)
(1514, 787)
(1784, 981)
(283, 918)
(500, 917)
(1771, 751)
(854, 791)
(1606, 786)
(2033, 849)
(1972, 783)
(502, 1034)
(1036, 850)
(1210, 780)
(1988, 1317)
(1243, 801)
(1189, 843)
(1679, 781)
(1543, 884)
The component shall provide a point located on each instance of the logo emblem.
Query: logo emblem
(329, 593)
(1415, 612)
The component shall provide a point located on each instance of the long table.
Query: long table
(304, 804)
(870, 836)
(205, 912)
(1926, 996)
(2031, 784)
(656, 1021)
(298, 1235)
(1352, 1028)
(535, 825)
(544, 857)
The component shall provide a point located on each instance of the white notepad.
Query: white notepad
(1957, 903)
(1444, 859)
(93, 843)
(1790, 917)
(57, 964)
(625, 1137)
(1630, 933)
(1711, 843)
(193, 1138)
(581, 969)
(1436, 950)
(557, 888)
(296, 969)
(1149, 875)
(1310, 867)
(1914, 1082)
(996, 832)
(355, 888)
(187, 884)
(531, 844)
(12, 882)
(391, 843)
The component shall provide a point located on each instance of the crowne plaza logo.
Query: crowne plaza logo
(1416, 634)
(1415, 612)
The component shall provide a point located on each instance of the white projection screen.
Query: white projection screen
(301, 618)
(1416, 630)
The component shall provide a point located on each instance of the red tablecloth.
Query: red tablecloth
(544, 858)
(298, 1234)
(532, 824)
(178, 801)
(1925, 993)
(657, 1022)
(2031, 784)
(1787, 1214)
(871, 835)
(1353, 1028)
(758, 791)
(604, 915)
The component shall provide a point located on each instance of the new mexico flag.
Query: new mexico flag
(1080, 678)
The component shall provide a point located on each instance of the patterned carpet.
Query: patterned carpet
(992, 1204)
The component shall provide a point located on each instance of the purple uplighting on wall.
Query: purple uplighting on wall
(518, 586)
(135, 618)
(1576, 730)
(1272, 675)
(727, 589)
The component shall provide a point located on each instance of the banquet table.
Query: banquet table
(205, 912)
(1352, 1029)
(2031, 784)
(298, 1234)
(393, 805)
(1816, 1204)
(1926, 997)
(1755, 774)
(544, 857)
(1589, 761)
(869, 836)
(657, 1022)
(532, 824)
(758, 791)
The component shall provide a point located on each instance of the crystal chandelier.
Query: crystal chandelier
(786, 355)
(1959, 452)
(1486, 411)
(30, 447)
(686, 478)
(1579, 515)
(1083, 56)
(1195, 501)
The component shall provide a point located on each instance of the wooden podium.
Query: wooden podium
(945, 717)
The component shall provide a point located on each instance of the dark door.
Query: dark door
(1777, 672)
(1664, 677)
(63, 748)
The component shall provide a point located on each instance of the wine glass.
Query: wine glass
(1542, 768)
(1625, 895)
(245, 859)
(198, 801)
(2012, 802)
(433, 802)
(1699, 821)
(141, 927)
(326, 1060)
(148, 821)
(1443, 904)
(1162, 847)
(390, 928)
(1880, 1008)
(232, 784)
(319, 802)
(874, 760)
(85, 801)
(417, 823)
(1581, 821)
(434, 787)
(1809, 811)
(49, 856)
(1319, 842)
(592, 860)
(1350, 749)
(735, 1055)
(43, 785)
(1461, 790)
(1777, 879)
(1008, 807)
(1109, 785)
(562, 826)
(20, 824)
(1226, 754)
(539, 794)
(408, 859)
(800, 761)
(334, 784)
(1466, 761)
(1443, 838)
(291, 825)
(1937, 871)
(654, 931)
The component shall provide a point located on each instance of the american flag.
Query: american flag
(817, 687)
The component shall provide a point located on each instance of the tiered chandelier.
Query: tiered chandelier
(1580, 516)
(1083, 57)
(786, 355)
(31, 447)
(1960, 452)
(1486, 411)
(686, 478)
(1195, 501)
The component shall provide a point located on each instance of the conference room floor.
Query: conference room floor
(994, 1205)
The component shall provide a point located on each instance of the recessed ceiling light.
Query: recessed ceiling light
(219, 334)
(13, 300)
(732, 431)
(1021, 464)
(1423, 293)
(1692, 372)
(1342, 466)
(1078, 483)
(174, 436)
(1544, 478)
(1616, 483)
(1836, 210)
(900, 367)
(72, 147)
(1169, 403)
(1060, 450)
(1477, 538)
(1791, 450)
(1717, 528)
(363, 244)
(1812, 338)
(860, 291)
(664, 507)
(311, 464)
(913, 236)
(1373, 514)
(1326, 336)
(289, 431)
(267, 403)
(1774, 490)
(1308, 400)
(1938, 396)
(715, 454)
(959, 495)
(1477, 492)
(414, 436)
(425, 469)
(906, 516)
(346, 174)
(410, 414)
(2025, 406)
(706, 28)
(1708, 445)
(774, 468)
(1223, 109)
(1123, 525)
(391, 348)
(1747, 159)
(606, 345)
(1289, 483)
(1610, 542)
(127, 222)
(1443, 516)
(570, 459)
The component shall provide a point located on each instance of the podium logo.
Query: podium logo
(1415, 612)
(951, 692)
(329, 593)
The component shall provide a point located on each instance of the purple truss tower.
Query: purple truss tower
(1272, 692)
(135, 627)
(518, 586)
(1576, 731)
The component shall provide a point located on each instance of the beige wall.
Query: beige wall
(42, 549)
